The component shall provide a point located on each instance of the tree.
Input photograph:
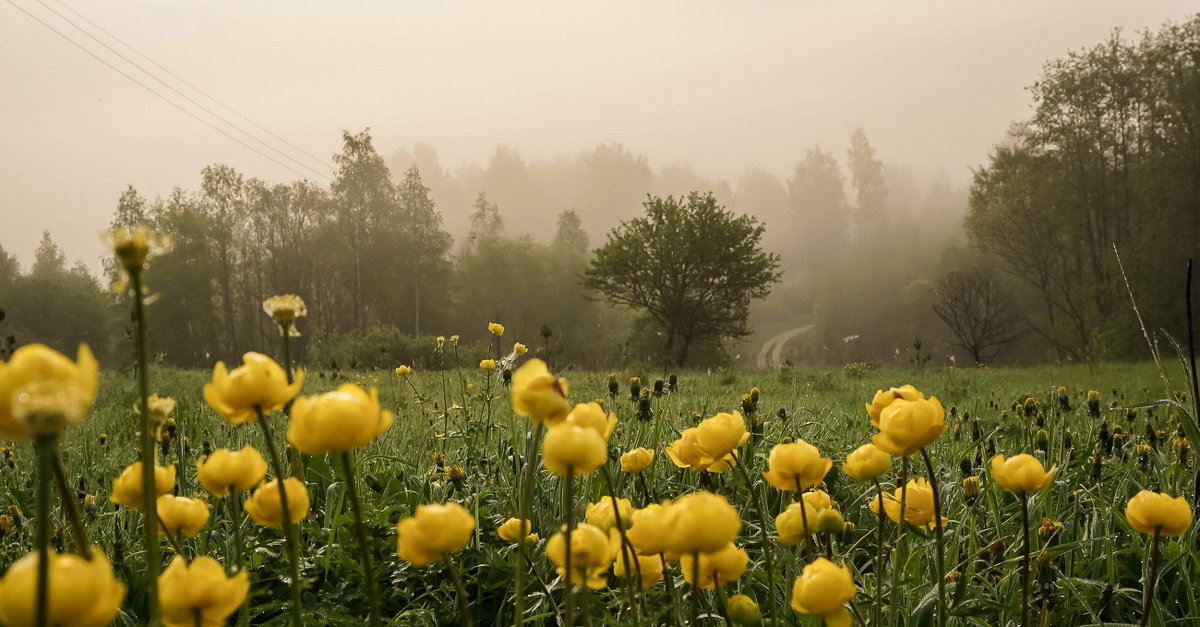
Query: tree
(816, 193)
(691, 265)
(974, 304)
(486, 222)
(870, 192)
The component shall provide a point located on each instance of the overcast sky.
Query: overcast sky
(721, 86)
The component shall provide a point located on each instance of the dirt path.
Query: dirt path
(771, 354)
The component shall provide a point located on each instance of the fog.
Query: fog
(703, 92)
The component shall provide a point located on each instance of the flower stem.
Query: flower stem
(148, 437)
(938, 542)
(289, 531)
(762, 527)
(901, 544)
(531, 450)
(44, 447)
(877, 611)
(235, 520)
(464, 612)
(633, 574)
(1151, 579)
(68, 498)
(364, 547)
(569, 522)
(1025, 560)
(694, 595)
(173, 540)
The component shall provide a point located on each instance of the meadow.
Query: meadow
(456, 438)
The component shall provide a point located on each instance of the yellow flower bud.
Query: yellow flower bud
(1151, 512)
(338, 421)
(259, 384)
(495, 328)
(742, 610)
(579, 449)
(181, 515)
(591, 555)
(1020, 473)
(127, 488)
(637, 460)
(716, 568)
(199, 593)
(514, 530)
(83, 593)
(972, 487)
(538, 394)
(227, 470)
(41, 376)
(906, 427)
(433, 532)
(867, 462)
(824, 589)
(403, 371)
(700, 522)
(265, 505)
(796, 466)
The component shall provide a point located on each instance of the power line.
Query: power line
(179, 78)
(155, 93)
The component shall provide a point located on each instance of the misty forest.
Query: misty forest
(666, 423)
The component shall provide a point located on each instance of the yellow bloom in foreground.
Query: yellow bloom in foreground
(433, 532)
(266, 508)
(824, 589)
(742, 610)
(514, 530)
(574, 449)
(600, 514)
(495, 328)
(906, 427)
(700, 522)
(918, 504)
(592, 416)
(181, 515)
(83, 593)
(403, 371)
(538, 394)
(637, 460)
(796, 466)
(199, 594)
(685, 453)
(48, 378)
(285, 308)
(127, 488)
(883, 398)
(718, 436)
(716, 568)
(227, 470)
(259, 384)
(1150, 512)
(650, 567)
(338, 421)
(591, 555)
(133, 247)
(1020, 473)
(648, 533)
(867, 462)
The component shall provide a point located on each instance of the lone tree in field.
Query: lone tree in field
(692, 265)
(973, 303)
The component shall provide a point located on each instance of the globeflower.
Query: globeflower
(716, 568)
(648, 531)
(571, 449)
(265, 507)
(199, 593)
(867, 462)
(433, 532)
(520, 348)
(742, 610)
(487, 364)
(600, 514)
(824, 589)
(884, 398)
(516, 530)
(226, 470)
(918, 504)
(650, 567)
(906, 427)
(134, 247)
(46, 380)
(495, 328)
(1158, 512)
(1020, 473)
(181, 515)
(338, 421)
(284, 309)
(127, 488)
(637, 460)
(592, 416)
(538, 394)
(685, 453)
(796, 466)
(259, 385)
(403, 371)
(700, 522)
(591, 555)
(82, 592)
(718, 436)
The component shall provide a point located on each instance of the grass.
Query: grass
(1088, 572)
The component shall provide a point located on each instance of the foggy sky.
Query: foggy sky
(719, 86)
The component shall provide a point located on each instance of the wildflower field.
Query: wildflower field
(439, 464)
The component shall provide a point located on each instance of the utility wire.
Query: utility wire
(179, 78)
(159, 95)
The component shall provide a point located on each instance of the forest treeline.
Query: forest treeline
(885, 267)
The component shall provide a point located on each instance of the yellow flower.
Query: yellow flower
(700, 522)
(495, 328)
(513, 530)
(41, 376)
(867, 462)
(1150, 512)
(592, 416)
(227, 470)
(403, 371)
(134, 247)
(648, 533)
(971, 487)
(918, 504)
(338, 421)
(520, 348)
(259, 384)
(685, 453)
(199, 594)
(487, 364)
(264, 504)
(650, 567)
(824, 589)
(796, 466)
(790, 523)
(742, 610)
(579, 449)
(884, 398)
(906, 427)
(716, 568)
(433, 532)
(83, 593)
(285, 308)
(600, 514)
(591, 555)
(1020, 473)
(718, 436)
(538, 394)
(127, 488)
(180, 514)
(637, 460)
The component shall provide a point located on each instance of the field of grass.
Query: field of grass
(1090, 570)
